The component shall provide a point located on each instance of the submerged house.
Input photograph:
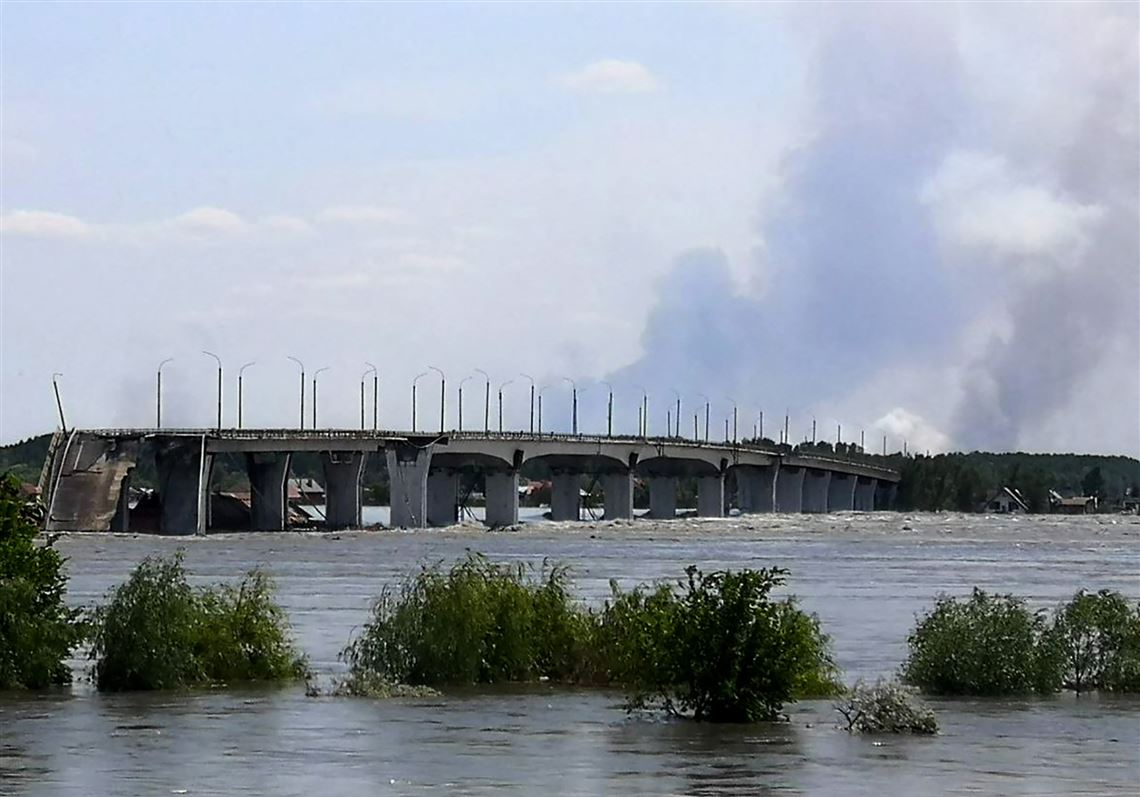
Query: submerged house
(1076, 505)
(1006, 501)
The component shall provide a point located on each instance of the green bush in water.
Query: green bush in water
(156, 632)
(1097, 636)
(885, 708)
(987, 645)
(476, 623)
(719, 648)
(37, 629)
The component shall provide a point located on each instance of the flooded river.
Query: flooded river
(866, 576)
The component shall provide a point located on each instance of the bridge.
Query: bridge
(87, 475)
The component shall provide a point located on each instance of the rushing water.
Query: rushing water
(866, 576)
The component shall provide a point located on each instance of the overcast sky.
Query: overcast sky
(919, 221)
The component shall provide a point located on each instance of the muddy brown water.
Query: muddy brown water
(866, 576)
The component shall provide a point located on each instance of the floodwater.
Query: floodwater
(866, 576)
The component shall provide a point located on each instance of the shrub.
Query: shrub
(37, 629)
(987, 645)
(1097, 636)
(719, 649)
(158, 633)
(885, 708)
(475, 623)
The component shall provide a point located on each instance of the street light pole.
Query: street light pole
(158, 394)
(531, 378)
(442, 396)
(294, 359)
(58, 401)
(678, 416)
(240, 402)
(418, 377)
(461, 382)
(375, 395)
(219, 361)
(508, 382)
(544, 387)
(643, 416)
(486, 400)
(316, 373)
(706, 398)
(609, 410)
(574, 404)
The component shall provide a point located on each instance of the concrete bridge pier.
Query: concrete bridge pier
(710, 496)
(443, 497)
(502, 494)
(790, 489)
(121, 520)
(565, 501)
(663, 497)
(885, 494)
(408, 468)
(184, 470)
(756, 488)
(342, 488)
(865, 494)
(617, 491)
(816, 486)
(268, 495)
(841, 492)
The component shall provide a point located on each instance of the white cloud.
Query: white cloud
(364, 215)
(209, 222)
(43, 224)
(610, 76)
(919, 434)
(978, 204)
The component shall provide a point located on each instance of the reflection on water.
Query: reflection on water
(866, 576)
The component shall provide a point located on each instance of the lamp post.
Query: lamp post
(375, 395)
(158, 393)
(813, 431)
(294, 359)
(786, 414)
(643, 413)
(508, 382)
(442, 396)
(706, 398)
(761, 435)
(734, 420)
(375, 380)
(316, 373)
(58, 402)
(609, 409)
(219, 361)
(461, 382)
(531, 378)
(573, 404)
(418, 378)
(486, 400)
(240, 401)
(678, 416)
(544, 387)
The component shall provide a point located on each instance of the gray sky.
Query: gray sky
(914, 221)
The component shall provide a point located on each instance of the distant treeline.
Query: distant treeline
(947, 482)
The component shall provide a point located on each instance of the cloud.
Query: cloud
(610, 76)
(364, 215)
(977, 203)
(207, 222)
(43, 224)
(919, 434)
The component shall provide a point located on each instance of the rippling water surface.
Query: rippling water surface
(866, 576)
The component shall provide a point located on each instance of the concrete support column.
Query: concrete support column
(710, 496)
(184, 470)
(342, 488)
(617, 489)
(565, 502)
(790, 489)
(892, 495)
(816, 485)
(663, 497)
(408, 468)
(502, 494)
(121, 520)
(841, 492)
(756, 488)
(443, 497)
(268, 493)
(865, 494)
